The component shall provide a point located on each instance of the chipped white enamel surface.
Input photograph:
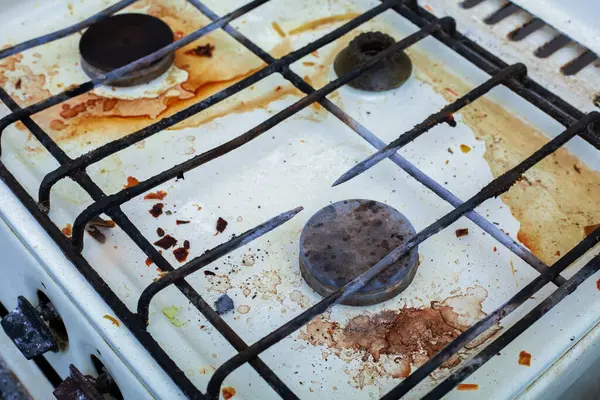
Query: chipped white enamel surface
(290, 165)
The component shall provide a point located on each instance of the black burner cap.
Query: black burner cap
(121, 39)
(345, 239)
(389, 73)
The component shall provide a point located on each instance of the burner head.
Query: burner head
(118, 40)
(345, 239)
(389, 74)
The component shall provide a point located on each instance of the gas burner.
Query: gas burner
(345, 239)
(389, 74)
(121, 39)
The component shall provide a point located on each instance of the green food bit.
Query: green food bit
(171, 314)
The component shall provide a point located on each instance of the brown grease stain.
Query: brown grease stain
(321, 22)
(409, 336)
(555, 202)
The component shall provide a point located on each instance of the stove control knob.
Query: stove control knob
(77, 387)
(26, 328)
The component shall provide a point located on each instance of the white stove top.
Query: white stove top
(294, 164)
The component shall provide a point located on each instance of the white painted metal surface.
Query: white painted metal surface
(292, 164)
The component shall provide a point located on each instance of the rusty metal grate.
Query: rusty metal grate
(514, 77)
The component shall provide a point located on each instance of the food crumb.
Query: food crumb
(114, 321)
(221, 225)
(197, 207)
(224, 304)
(67, 230)
(166, 242)
(148, 262)
(181, 222)
(495, 249)
(156, 210)
(181, 254)
(462, 232)
(598, 284)
(525, 358)
(171, 314)
(160, 232)
(228, 392)
(464, 148)
(467, 386)
(131, 182)
(158, 195)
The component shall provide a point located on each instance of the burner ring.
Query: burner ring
(389, 73)
(121, 39)
(345, 239)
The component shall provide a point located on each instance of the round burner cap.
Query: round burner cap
(121, 39)
(345, 239)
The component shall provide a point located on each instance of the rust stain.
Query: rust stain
(321, 22)
(409, 336)
(467, 386)
(525, 358)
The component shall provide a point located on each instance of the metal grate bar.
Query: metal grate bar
(513, 332)
(526, 29)
(116, 73)
(579, 63)
(527, 88)
(495, 317)
(504, 12)
(125, 195)
(466, 4)
(363, 132)
(546, 101)
(51, 37)
(129, 228)
(208, 257)
(552, 46)
(444, 115)
(494, 188)
(129, 140)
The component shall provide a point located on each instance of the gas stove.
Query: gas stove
(299, 199)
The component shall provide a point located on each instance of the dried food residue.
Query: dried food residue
(148, 262)
(464, 148)
(131, 182)
(67, 230)
(181, 254)
(219, 283)
(92, 228)
(160, 232)
(525, 358)
(243, 309)
(209, 273)
(467, 386)
(181, 222)
(171, 314)
(248, 260)
(186, 244)
(157, 210)
(228, 392)
(318, 23)
(166, 242)
(158, 195)
(392, 341)
(598, 284)
(462, 232)
(221, 225)
(204, 50)
(114, 321)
